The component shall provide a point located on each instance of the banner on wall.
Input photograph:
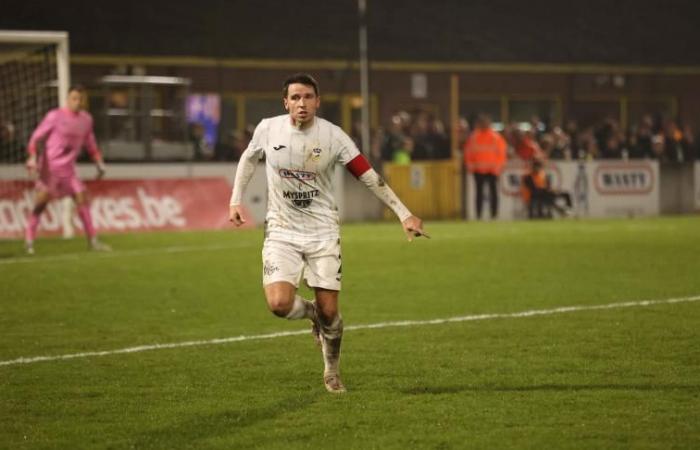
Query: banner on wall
(130, 206)
(597, 188)
(204, 110)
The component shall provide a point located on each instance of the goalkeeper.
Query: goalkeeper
(64, 132)
(301, 234)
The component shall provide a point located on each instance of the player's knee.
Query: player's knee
(327, 312)
(280, 305)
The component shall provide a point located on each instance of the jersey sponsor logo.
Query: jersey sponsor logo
(301, 199)
(316, 154)
(279, 147)
(297, 174)
(629, 179)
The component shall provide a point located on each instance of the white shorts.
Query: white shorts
(319, 262)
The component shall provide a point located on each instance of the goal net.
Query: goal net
(34, 78)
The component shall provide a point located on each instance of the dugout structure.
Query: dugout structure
(142, 118)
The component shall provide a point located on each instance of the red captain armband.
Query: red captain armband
(358, 166)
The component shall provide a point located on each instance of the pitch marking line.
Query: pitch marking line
(118, 253)
(404, 323)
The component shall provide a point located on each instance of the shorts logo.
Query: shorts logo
(279, 147)
(316, 154)
(297, 174)
(269, 268)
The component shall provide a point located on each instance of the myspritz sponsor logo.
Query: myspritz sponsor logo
(630, 179)
(301, 199)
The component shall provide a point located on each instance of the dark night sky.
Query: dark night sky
(621, 31)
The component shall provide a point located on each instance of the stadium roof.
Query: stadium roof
(495, 31)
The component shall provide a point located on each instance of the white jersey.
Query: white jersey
(300, 166)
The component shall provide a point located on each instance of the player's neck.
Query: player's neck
(301, 126)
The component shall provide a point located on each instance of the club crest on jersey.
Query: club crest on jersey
(316, 154)
(297, 174)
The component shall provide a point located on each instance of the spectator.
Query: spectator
(484, 156)
(428, 134)
(571, 130)
(640, 139)
(394, 136)
(202, 150)
(561, 148)
(678, 144)
(402, 155)
(539, 196)
(462, 132)
(691, 142)
(537, 126)
(424, 148)
(658, 145)
(526, 147)
(437, 139)
(547, 145)
(587, 145)
(611, 142)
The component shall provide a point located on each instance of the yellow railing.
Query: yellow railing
(429, 189)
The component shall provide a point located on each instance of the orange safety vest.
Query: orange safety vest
(485, 152)
(539, 181)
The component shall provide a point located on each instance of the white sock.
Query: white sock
(333, 335)
(300, 309)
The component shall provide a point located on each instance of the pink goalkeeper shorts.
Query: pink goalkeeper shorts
(60, 186)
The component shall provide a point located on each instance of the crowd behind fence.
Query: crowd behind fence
(420, 136)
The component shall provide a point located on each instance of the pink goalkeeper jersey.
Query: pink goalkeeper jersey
(65, 134)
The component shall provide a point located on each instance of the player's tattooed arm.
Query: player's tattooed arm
(412, 225)
(383, 192)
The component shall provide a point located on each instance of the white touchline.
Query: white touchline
(403, 323)
(119, 253)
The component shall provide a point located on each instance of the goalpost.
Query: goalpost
(34, 78)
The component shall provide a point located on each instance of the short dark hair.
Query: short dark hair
(76, 87)
(301, 78)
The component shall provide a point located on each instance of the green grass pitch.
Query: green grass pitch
(586, 379)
